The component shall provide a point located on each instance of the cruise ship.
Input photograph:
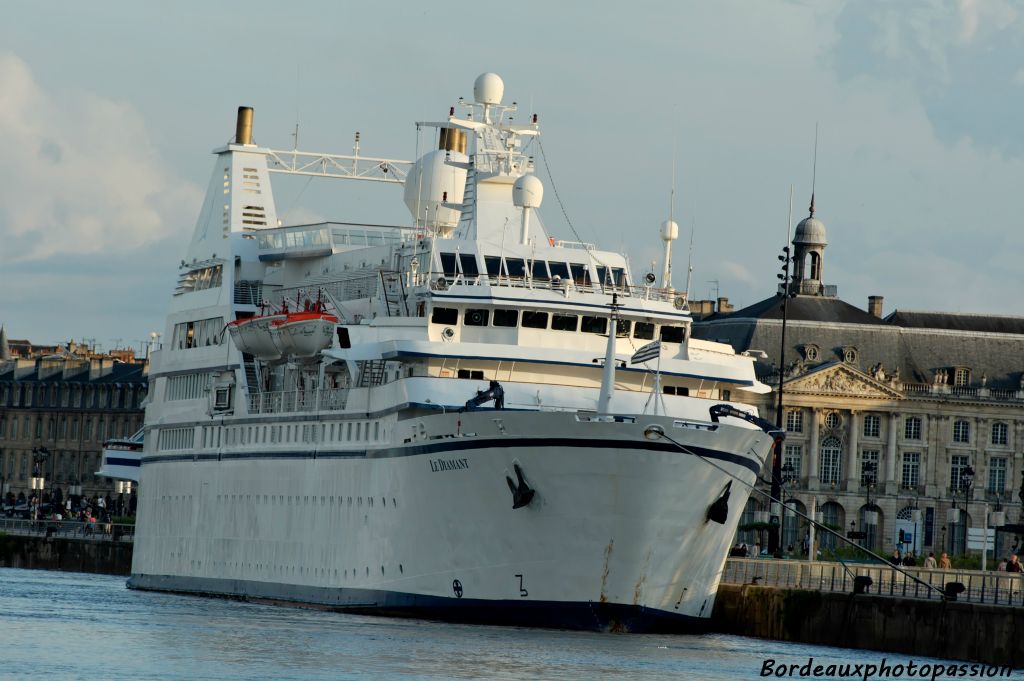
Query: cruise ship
(461, 417)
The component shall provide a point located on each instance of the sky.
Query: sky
(109, 111)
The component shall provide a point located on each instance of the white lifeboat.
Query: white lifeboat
(253, 336)
(304, 334)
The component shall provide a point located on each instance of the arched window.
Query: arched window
(831, 456)
(832, 516)
(794, 526)
(871, 526)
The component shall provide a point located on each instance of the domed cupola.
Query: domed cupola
(809, 244)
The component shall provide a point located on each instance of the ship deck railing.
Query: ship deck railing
(289, 401)
(444, 281)
(68, 529)
(980, 586)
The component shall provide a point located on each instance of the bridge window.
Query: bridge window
(444, 315)
(564, 322)
(559, 269)
(515, 267)
(622, 328)
(580, 274)
(643, 331)
(448, 265)
(504, 317)
(540, 270)
(475, 317)
(473, 374)
(673, 334)
(469, 268)
(594, 324)
(493, 264)
(534, 320)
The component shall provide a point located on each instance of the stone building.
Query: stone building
(68, 406)
(887, 417)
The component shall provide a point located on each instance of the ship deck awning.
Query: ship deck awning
(490, 352)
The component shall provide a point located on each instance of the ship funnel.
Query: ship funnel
(243, 126)
(452, 139)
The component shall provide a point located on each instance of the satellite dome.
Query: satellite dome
(528, 191)
(669, 230)
(488, 89)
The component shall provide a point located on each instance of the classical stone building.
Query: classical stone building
(68, 406)
(889, 415)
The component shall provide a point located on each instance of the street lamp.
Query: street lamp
(775, 530)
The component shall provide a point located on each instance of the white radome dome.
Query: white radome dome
(489, 88)
(528, 192)
(669, 230)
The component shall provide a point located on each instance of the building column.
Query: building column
(891, 483)
(851, 457)
(812, 454)
(933, 427)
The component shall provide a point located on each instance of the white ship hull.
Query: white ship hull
(616, 538)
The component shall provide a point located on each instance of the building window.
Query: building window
(911, 470)
(961, 376)
(811, 353)
(912, 428)
(1000, 434)
(795, 421)
(997, 474)
(869, 467)
(956, 469)
(831, 453)
(850, 355)
(961, 431)
(872, 425)
(791, 459)
(832, 420)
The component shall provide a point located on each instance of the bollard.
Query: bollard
(861, 584)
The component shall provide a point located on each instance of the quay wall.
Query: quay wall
(101, 556)
(973, 632)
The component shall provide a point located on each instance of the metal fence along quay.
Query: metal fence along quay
(68, 529)
(989, 587)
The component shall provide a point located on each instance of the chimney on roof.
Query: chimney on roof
(875, 306)
(724, 305)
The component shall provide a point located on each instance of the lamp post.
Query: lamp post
(775, 530)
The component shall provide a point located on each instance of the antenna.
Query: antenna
(814, 173)
(689, 261)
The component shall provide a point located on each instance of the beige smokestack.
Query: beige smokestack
(875, 306)
(452, 139)
(243, 126)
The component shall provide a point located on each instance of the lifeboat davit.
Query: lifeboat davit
(304, 334)
(254, 336)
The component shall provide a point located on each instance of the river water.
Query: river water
(60, 625)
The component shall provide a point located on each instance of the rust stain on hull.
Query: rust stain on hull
(607, 567)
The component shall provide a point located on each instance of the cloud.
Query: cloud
(80, 174)
(958, 57)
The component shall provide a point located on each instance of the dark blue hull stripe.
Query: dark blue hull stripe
(114, 461)
(461, 444)
(590, 616)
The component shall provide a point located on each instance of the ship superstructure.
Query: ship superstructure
(440, 418)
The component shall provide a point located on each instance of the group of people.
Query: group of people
(908, 559)
(1011, 564)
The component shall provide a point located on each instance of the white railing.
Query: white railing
(289, 401)
(561, 285)
(997, 588)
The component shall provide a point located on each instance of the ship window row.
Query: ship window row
(497, 267)
(308, 433)
(176, 438)
(198, 334)
(532, 319)
(174, 501)
(188, 387)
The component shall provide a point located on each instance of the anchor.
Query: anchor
(522, 493)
